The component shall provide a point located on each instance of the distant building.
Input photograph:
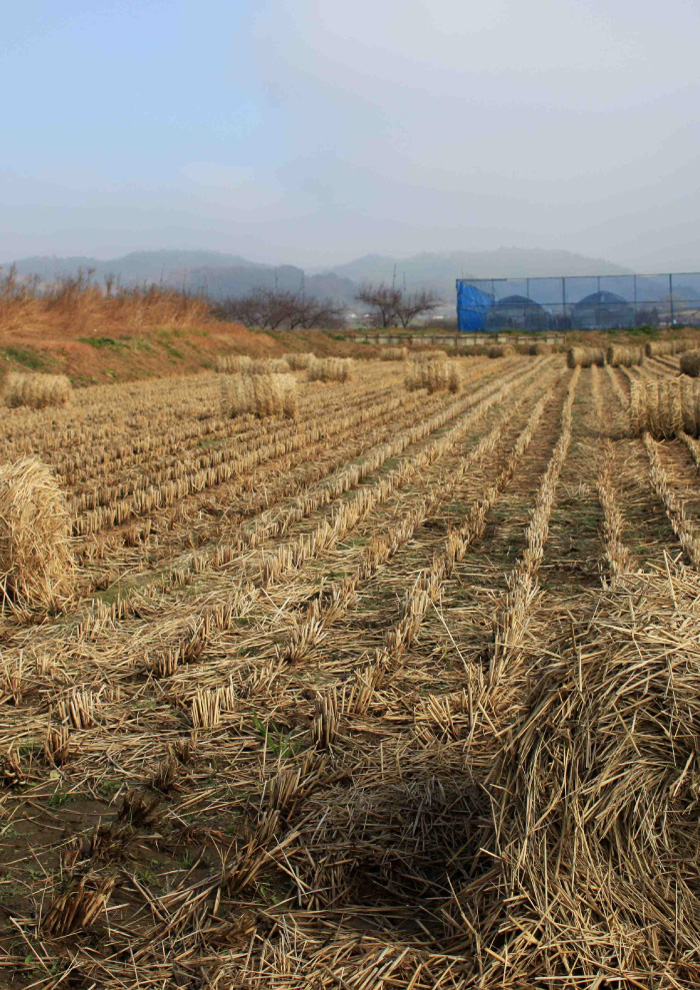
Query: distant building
(517, 312)
(602, 311)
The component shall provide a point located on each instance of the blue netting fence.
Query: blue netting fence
(581, 302)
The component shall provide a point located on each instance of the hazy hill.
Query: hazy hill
(218, 274)
(439, 271)
(222, 275)
(134, 268)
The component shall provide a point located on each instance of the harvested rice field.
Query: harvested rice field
(397, 688)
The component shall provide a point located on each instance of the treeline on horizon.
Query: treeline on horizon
(74, 301)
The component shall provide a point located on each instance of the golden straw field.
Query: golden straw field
(354, 675)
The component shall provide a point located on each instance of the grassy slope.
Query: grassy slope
(123, 355)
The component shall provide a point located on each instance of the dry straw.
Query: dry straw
(243, 364)
(330, 369)
(618, 356)
(36, 560)
(435, 376)
(585, 357)
(37, 391)
(539, 348)
(500, 350)
(665, 408)
(299, 362)
(232, 363)
(594, 831)
(262, 395)
(429, 355)
(659, 348)
(690, 364)
(393, 354)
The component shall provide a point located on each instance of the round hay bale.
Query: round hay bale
(36, 559)
(690, 363)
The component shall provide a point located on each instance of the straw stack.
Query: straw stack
(37, 391)
(618, 356)
(664, 408)
(690, 363)
(330, 369)
(262, 395)
(500, 351)
(435, 376)
(585, 357)
(36, 560)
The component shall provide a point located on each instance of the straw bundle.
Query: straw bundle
(624, 356)
(36, 561)
(262, 395)
(500, 350)
(665, 407)
(429, 355)
(435, 376)
(539, 348)
(690, 364)
(243, 364)
(594, 831)
(659, 348)
(393, 354)
(299, 362)
(330, 369)
(232, 363)
(37, 391)
(585, 356)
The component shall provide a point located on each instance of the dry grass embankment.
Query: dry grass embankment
(77, 329)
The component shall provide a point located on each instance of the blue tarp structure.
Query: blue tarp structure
(472, 307)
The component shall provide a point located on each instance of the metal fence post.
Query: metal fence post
(670, 286)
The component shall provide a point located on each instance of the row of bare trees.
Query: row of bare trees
(281, 309)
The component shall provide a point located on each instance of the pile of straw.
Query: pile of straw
(664, 408)
(500, 350)
(393, 354)
(429, 355)
(330, 369)
(36, 560)
(539, 348)
(585, 357)
(435, 376)
(619, 356)
(299, 362)
(243, 364)
(690, 364)
(261, 395)
(659, 348)
(37, 391)
(590, 859)
(228, 364)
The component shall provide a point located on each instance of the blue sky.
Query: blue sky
(315, 131)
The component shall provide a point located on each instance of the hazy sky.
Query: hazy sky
(312, 132)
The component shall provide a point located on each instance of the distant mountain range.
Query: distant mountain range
(221, 275)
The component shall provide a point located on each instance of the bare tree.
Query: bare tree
(413, 304)
(392, 305)
(383, 299)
